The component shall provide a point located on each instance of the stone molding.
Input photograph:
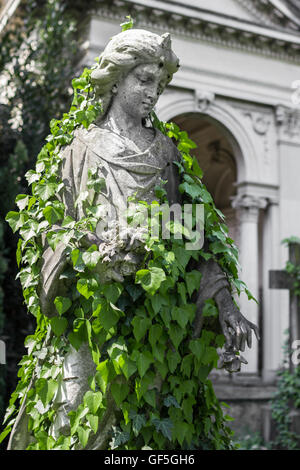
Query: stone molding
(288, 122)
(203, 100)
(260, 121)
(248, 206)
(198, 24)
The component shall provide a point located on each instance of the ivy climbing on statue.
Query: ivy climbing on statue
(130, 321)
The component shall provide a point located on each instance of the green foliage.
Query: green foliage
(286, 398)
(157, 376)
(251, 441)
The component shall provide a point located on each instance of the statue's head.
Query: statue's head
(125, 52)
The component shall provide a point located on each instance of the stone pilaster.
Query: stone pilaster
(248, 207)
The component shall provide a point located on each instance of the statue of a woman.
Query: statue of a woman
(132, 158)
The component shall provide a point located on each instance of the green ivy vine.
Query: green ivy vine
(139, 332)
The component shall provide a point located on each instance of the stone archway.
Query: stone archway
(215, 155)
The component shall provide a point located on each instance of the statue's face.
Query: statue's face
(138, 92)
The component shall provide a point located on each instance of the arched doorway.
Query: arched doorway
(221, 160)
(215, 155)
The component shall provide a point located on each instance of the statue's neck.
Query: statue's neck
(129, 127)
(124, 124)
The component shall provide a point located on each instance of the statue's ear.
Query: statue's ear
(114, 89)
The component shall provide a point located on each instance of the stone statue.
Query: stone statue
(132, 157)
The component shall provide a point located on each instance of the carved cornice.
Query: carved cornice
(269, 13)
(198, 24)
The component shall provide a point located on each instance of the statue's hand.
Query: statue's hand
(236, 329)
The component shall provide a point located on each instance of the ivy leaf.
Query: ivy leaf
(181, 430)
(155, 333)
(52, 215)
(182, 291)
(140, 327)
(127, 24)
(119, 438)
(92, 400)
(112, 292)
(143, 363)
(182, 315)
(134, 291)
(77, 260)
(76, 339)
(16, 220)
(76, 417)
(210, 355)
(182, 257)
(192, 280)
(83, 434)
(164, 426)
(187, 406)
(128, 367)
(93, 422)
(171, 401)
(32, 176)
(158, 351)
(210, 309)
(150, 398)
(138, 421)
(109, 315)
(87, 287)
(22, 201)
(102, 375)
(46, 389)
(62, 304)
(173, 358)
(176, 334)
(186, 365)
(119, 392)
(197, 347)
(58, 325)
(91, 258)
(150, 279)
(45, 190)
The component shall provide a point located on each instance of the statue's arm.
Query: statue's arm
(73, 175)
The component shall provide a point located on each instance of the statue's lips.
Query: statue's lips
(147, 104)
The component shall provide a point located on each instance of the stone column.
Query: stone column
(248, 207)
(272, 312)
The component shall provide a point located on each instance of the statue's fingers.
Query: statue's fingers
(256, 331)
(226, 333)
(249, 337)
(243, 342)
(244, 336)
(238, 337)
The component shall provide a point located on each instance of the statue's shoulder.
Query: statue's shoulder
(173, 151)
(90, 135)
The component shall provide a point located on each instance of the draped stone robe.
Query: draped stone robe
(127, 171)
